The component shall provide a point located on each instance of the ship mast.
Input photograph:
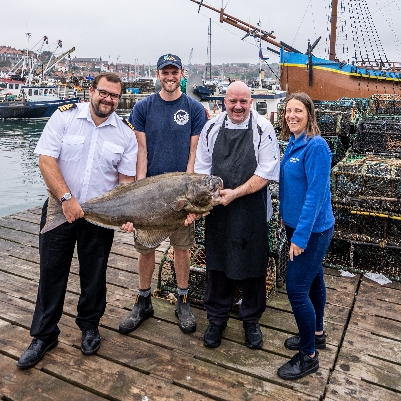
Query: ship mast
(248, 28)
(333, 33)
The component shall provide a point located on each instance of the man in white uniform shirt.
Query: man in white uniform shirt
(241, 147)
(85, 151)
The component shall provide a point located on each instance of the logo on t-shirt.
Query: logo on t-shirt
(181, 117)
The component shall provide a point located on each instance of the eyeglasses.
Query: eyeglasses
(104, 94)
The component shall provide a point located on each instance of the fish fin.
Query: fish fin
(179, 204)
(55, 216)
(152, 238)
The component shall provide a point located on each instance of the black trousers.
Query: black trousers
(219, 297)
(56, 249)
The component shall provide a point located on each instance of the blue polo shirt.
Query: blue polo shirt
(305, 202)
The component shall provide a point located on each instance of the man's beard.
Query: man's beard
(167, 89)
(98, 112)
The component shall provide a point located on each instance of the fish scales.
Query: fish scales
(156, 206)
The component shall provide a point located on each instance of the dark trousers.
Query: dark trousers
(305, 287)
(219, 297)
(56, 249)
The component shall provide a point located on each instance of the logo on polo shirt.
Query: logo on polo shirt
(294, 159)
(181, 117)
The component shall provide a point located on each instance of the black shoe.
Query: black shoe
(253, 335)
(298, 366)
(293, 342)
(35, 353)
(141, 311)
(90, 342)
(212, 335)
(186, 320)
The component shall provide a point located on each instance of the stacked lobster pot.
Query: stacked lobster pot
(336, 121)
(366, 196)
(167, 280)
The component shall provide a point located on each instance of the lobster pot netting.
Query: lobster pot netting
(368, 182)
(379, 136)
(359, 257)
(366, 226)
(389, 104)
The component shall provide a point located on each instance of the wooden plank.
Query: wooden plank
(19, 225)
(34, 385)
(372, 358)
(376, 307)
(232, 355)
(337, 282)
(345, 387)
(190, 372)
(19, 251)
(338, 298)
(333, 313)
(3, 323)
(371, 290)
(358, 346)
(376, 325)
(171, 366)
(96, 374)
(19, 237)
(385, 374)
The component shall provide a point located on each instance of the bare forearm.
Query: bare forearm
(254, 184)
(125, 179)
(142, 160)
(192, 154)
(52, 176)
(141, 165)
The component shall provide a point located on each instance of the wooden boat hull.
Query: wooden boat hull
(332, 81)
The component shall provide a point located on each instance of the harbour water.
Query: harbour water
(21, 184)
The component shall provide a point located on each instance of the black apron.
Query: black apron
(237, 234)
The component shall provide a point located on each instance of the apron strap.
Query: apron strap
(207, 135)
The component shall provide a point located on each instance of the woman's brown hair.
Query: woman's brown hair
(312, 128)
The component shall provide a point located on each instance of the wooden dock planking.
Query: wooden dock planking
(159, 362)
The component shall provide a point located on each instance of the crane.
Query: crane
(53, 63)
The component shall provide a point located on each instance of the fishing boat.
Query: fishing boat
(325, 79)
(39, 109)
(24, 93)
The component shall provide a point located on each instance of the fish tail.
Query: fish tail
(55, 216)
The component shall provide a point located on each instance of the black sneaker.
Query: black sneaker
(293, 342)
(141, 311)
(186, 320)
(35, 353)
(212, 335)
(298, 366)
(253, 335)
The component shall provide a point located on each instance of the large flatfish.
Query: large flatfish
(157, 206)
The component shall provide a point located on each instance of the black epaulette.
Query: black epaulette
(129, 124)
(68, 106)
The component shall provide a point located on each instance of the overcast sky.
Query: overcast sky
(141, 30)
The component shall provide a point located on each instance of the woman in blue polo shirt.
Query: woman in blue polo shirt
(305, 210)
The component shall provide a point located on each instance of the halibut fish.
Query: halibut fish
(157, 206)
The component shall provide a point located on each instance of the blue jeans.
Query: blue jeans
(305, 287)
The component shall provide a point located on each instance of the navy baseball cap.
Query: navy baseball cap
(169, 59)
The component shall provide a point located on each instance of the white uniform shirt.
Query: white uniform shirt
(265, 143)
(89, 157)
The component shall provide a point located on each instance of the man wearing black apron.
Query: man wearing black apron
(240, 146)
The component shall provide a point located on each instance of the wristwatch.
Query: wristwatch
(66, 196)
